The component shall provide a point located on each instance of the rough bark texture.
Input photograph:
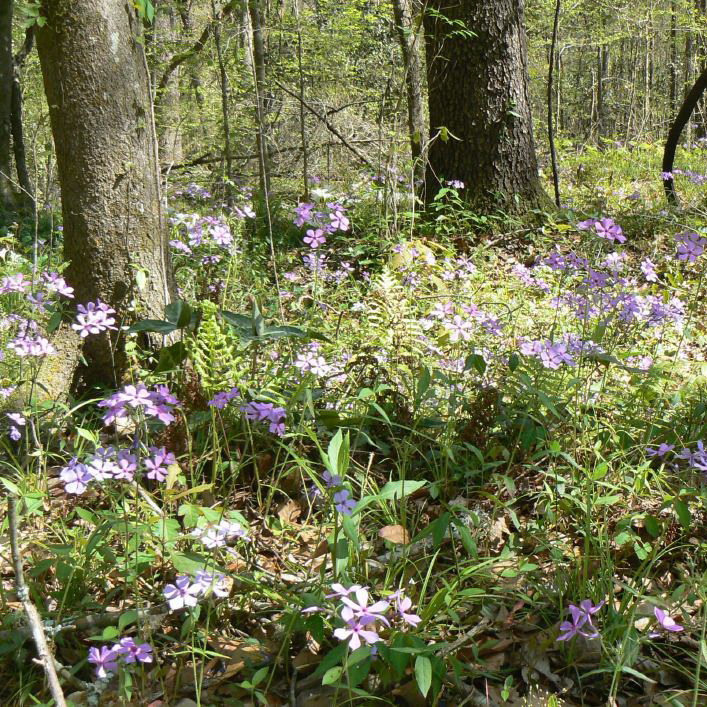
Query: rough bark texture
(478, 92)
(95, 79)
(167, 116)
(259, 62)
(410, 47)
(7, 200)
(18, 137)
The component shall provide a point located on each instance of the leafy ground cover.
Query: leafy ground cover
(380, 457)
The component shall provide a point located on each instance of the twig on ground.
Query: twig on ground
(35, 620)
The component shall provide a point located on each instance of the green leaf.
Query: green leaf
(178, 313)
(156, 326)
(607, 500)
(477, 362)
(395, 490)
(240, 321)
(652, 525)
(423, 674)
(171, 357)
(284, 332)
(258, 322)
(127, 618)
(683, 512)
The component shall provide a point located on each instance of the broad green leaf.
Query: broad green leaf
(156, 326)
(423, 674)
(395, 490)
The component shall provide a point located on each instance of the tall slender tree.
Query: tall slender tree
(96, 82)
(7, 197)
(479, 106)
(408, 34)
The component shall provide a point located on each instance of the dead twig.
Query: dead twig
(35, 621)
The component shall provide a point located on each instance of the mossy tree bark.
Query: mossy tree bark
(479, 103)
(96, 82)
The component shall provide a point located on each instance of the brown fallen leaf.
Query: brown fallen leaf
(395, 534)
(289, 512)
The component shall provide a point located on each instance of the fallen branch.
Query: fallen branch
(329, 126)
(35, 620)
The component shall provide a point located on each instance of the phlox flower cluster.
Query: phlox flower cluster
(109, 463)
(94, 318)
(690, 246)
(158, 403)
(219, 534)
(580, 623)
(106, 659)
(311, 361)
(28, 342)
(206, 231)
(220, 400)
(363, 618)
(605, 228)
(16, 422)
(194, 191)
(267, 412)
(185, 593)
(322, 221)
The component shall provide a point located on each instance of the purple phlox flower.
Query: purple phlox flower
(266, 412)
(105, 659)
(221, 234)
(339, 221)
(661, 451)
(343, 503)
(103, 466)
(55, 283)
(606, 228)
(76, 477)
(667, 623)
(14, 283)
(179, 245)
(581, 617)
(666, 176)
(214, 583)
(341, 591)
(615, 261)
(38, 301)
(125, 466)
(402, 606)
(648, 270)
(220, 400)
(133, 652)
(157, 465)
(331, 480)
(312, 609)
(213, 536)
(303, 214)
(455, 183)
(93, 318)
(459, 328)
(362, 610)
(16, 418)
(691, 246)
(442, 310)
(551, 355)
(26, 345)
(315, 238)
(642, 363)
(244, 211)
(182, 593)
(356, 630)
(586, 225)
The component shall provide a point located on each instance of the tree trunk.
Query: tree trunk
(682, 118)
(479, 104)
(7, 196)
(96, 82)
(167, 116)
(259, 71)
(417, 129)
(18, 137)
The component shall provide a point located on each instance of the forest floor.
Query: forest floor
(441, 460)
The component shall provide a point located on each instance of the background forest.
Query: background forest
(352, 352)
